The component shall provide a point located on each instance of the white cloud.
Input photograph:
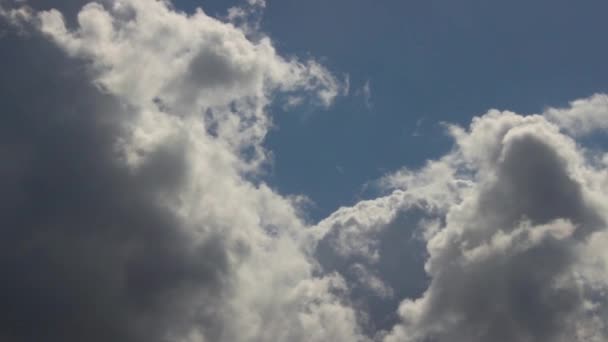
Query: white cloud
(520, 217)
(17, 17)
(371, 281)
(367, 94)
(196, 89)
(583, 116)
(514, 216)
(355, 227)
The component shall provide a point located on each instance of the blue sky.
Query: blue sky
(426, 62)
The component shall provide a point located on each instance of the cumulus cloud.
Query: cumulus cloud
(131, 135)
(132, 209)
(514, 227)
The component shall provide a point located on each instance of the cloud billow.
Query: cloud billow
(123, 219)
(513, 251)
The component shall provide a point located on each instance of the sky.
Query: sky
(338, 170)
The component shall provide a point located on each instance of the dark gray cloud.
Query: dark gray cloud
(122, 218)
(533, 182)
(379, 284)
(87, 252)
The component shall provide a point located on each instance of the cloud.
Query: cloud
(514, 217)
(366, 93)
(370, 281)
(132, 208)
(132, 133)
(583, 116)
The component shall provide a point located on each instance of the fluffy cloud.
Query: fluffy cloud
(515, 232)
(132, 207)
(132, 135)
(583, 116)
